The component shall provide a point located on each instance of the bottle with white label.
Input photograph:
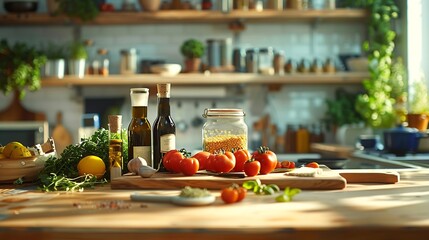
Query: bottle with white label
(139, 130)
(164, 128)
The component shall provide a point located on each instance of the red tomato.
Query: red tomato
(288, 164)
(233, 193)
(189, 166)
(241, 156)
(241, 193)
(166, 159)
(229, 195)
(211, 162)
(279, 164)
(267, 158)
(312, 165)
(224, 162)
(202, 158)
(172, 159)
(252, 167)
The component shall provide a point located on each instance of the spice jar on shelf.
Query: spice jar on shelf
(266, 57)
(252, 60)
(224, 129)
(278, 62)
(290, 66)
(103, 61)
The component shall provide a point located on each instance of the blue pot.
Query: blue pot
(401, 140)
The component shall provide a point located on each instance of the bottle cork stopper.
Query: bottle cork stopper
(163, 90)
(115, 123)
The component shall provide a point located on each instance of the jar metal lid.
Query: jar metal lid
(223, 112)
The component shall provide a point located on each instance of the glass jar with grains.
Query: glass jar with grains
(224, 129)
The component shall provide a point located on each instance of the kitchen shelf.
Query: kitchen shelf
(341, 78)
(188, 16)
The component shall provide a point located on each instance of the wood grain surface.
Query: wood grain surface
(176, 181)
(360, 211)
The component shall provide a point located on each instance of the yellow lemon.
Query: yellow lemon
(8, 149)
(91, 165)
(20, 152)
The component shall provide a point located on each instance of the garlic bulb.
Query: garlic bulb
(135, 164)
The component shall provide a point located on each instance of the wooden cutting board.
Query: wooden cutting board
(61, 135)
(369, 176)
(175, 181)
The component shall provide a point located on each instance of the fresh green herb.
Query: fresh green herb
(54, 182)
(64, 168)
(83, 9)
(257, 187)
(341, 111)
(288, 194)
(18, 181)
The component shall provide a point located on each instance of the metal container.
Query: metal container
(213, 53)
(275, 4)
(54, 68)
(224, 129)
(76, 67)
(252, 60)
(225, 52)
(219, 52)
(128, 61)
(225, 6)
(239, 59)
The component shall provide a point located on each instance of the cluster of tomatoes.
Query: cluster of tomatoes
(262, 161)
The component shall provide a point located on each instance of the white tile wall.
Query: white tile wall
(293, 104)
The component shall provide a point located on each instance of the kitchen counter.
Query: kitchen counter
(361, 211)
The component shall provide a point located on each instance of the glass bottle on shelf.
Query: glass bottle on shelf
(139, 129)
(164, 128)
(115, 146)
(302, 140)
(103, 61)
(266, 57)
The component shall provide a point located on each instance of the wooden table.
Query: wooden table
(361, 211)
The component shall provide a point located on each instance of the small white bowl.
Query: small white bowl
(166, 69)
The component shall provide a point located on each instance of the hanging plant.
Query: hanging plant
(377, 105)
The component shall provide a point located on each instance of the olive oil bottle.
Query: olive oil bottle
(139, 129)
(164, 128)
(115, 146)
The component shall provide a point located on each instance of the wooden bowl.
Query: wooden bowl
(27, 169)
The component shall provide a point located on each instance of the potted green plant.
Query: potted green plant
(192, 50)
(77, 57)
(343, 117)
(55, 64)
(84, 10)
(20, 66)
(376, 105)
(418, 114)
